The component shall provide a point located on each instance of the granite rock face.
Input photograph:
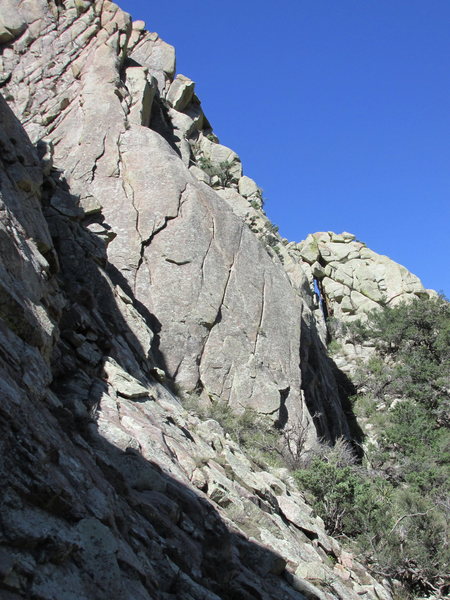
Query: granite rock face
(135, 260)
(110, 488)
(353, 280)
(100, 91)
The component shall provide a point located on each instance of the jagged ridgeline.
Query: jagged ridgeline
(163, 361)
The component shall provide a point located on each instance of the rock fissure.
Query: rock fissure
(259, 330)
(157, 229)
(98, 158)
(221, 303)
(205, 256)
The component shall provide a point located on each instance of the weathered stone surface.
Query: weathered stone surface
(234, 330)
(200, 174)
(221, 157)
(149, 50)
(353, 280)
(248, 188)
(124, 384)
(142, 94)
(119, 270)
(180, 92)
(309, 249)
(24, 239)
(12, 23)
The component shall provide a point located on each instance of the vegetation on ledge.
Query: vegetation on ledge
(395, 508)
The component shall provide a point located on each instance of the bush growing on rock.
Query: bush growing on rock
(252, 431)
(394, 508)
(220, 173)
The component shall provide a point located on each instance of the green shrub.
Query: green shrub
(222, 171)
(404, 391)
(271, 228)
(334, 347)
(398, 531)
(364, 405)
(335, 490)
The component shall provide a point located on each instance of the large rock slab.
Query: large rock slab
(180, 92)
(12, 23)
(230, 322)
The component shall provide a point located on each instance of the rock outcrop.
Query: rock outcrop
(350, 281)
(136, 262)
(87, 82)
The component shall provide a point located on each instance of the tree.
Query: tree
(395, 508)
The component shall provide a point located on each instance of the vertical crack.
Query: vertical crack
(261, 315)
(218, 317)
(207, 251)
(324, 303)
(97, 158)
(146, 242)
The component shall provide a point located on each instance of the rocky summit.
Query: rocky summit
(139, 272)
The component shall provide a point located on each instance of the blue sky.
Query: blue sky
(339, 109)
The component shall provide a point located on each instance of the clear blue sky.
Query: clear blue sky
(339, 109)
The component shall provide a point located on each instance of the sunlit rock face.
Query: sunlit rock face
(110, 488)
(125, 135)
(355, 280)
(351, 281)
(135, 260)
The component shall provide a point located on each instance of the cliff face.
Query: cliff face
(109, 487)
(136, 260)
(121, 134)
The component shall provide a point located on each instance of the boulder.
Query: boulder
(142, 94)
(248, 188)
(124, 384)
(180, 92)
(12, 23)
